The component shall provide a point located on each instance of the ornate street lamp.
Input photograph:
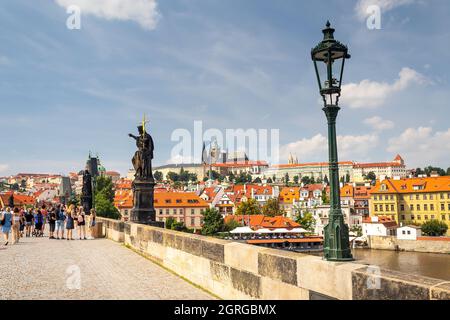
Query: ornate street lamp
(329, 58)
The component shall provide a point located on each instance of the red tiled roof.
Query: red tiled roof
(261, 221)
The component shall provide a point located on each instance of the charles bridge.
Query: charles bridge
(134, 261)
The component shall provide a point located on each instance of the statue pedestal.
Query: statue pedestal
(144, 211)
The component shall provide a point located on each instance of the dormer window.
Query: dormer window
(383, 187)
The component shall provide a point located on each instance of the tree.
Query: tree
(105, 186)
(214, 175)
(347, 178)
(357, 230)
(307, 221)
(231, 177)
(306, 180)
(448, 171)
(23, 184)
(272, 208)
(158, 176)
(249, 207)
(212, 222)
(434, 228)
(325, 180)
(312, 181)
(73, 200)
(243, 178)
(286, 178)
(15, 187)
(169, 222)
(269, 180)
(325, 199)
(173, 176)
(257, 180)
(105, 208)
(371, 176)
(104, 198)
(296, 179)
(274, 178)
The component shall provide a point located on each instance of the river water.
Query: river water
(424, 264)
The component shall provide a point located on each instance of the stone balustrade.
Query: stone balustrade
(234, 270)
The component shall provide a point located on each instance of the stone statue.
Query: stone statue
(142, 160)
(86, 192)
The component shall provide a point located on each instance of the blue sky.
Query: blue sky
(232, 64)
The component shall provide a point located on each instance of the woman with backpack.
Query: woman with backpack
(6, 222)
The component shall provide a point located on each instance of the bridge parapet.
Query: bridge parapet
(239, 271)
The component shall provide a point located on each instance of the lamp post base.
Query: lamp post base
(336, 242)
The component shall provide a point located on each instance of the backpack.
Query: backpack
(39, 218)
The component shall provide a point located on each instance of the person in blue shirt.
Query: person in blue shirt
(6, 222)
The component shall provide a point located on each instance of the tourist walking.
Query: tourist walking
(44, 213)
(22, 221)
(70, 223)
(6, 222)
(28, 222)
(60, 218)
(81, 222)
(15, 226)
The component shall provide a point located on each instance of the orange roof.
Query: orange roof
(178, 199)
(347, 191)
(288, 194)
(378, 165)
(312, 164)
(240, 164)
(413, 185)
(398, 158)
(19, 199)
(261, 221)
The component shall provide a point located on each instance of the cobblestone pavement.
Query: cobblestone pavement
(48, 269)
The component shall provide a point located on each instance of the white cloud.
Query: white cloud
(143, 12)
(379, 124)
(316, 149)
(422, 147)
(372, 94)
(179, 159)
(385, 5)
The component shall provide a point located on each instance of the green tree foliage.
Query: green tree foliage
(249, 207)
(347, 178)
(357, 230)
(307, 221)
(269, 180)
(286, 178)
(272, 208)
(306, 180)
(169, 222)
(74, 200)
(325, 180)
(15, 187)
(231, 177)
(158, 176)
(104, 198)
(105, 186)
(243, 178)
(325, 199)
(434, 228)
(296, 179)
(371, 176)
(257, 180)
(212, 222)
(448, 171)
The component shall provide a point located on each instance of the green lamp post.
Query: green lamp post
(329, 58)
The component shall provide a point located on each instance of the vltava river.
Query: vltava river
(425, 264)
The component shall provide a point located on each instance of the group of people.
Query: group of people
(62, 221)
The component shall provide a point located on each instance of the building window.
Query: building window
(161, 211)
(432, 207)
(417, 197)
(448, 207)
(419, 217)
(402, 207)
(425, 207)
(167, 211)
(386, 207)
(426, 217)
(392, 197)
(409, 232)
(418, 207)
(411, 197)
(403, 217)
(442, 207)
(376, 207)
(386, 197)
(432, 217)
(392, 207)
(431, 197)
(192, 221)
(443, 217)
(375, 198)
(442, 196)
(192, 211)
(412, 217)
(174, 211)
(424, 197)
